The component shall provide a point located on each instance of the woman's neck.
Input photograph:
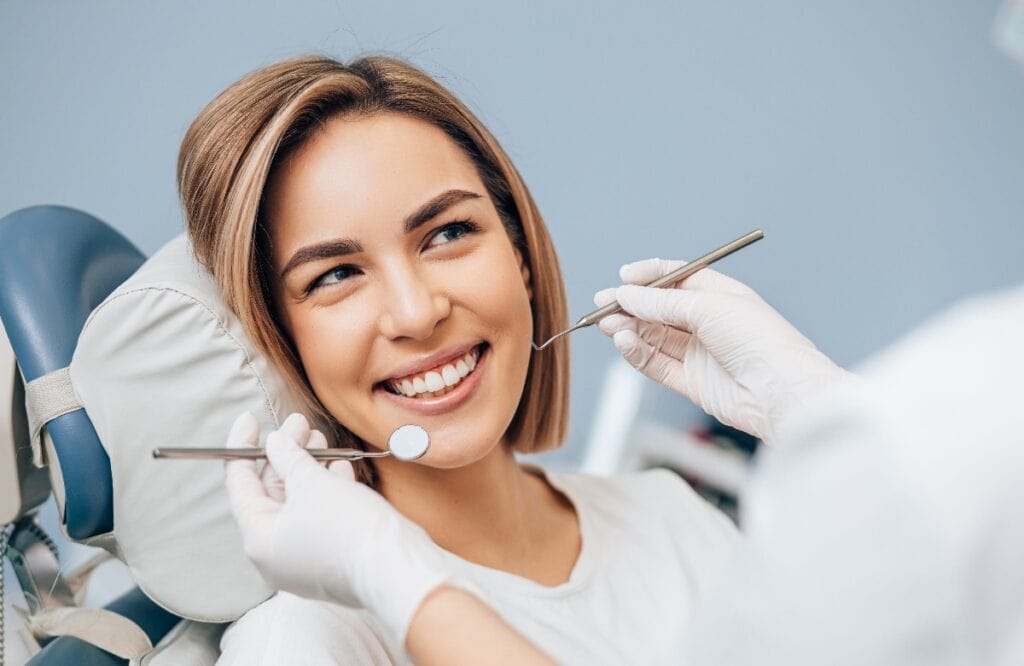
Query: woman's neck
(491, 512)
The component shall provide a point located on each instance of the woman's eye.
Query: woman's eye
(333, 276)
(451, 232)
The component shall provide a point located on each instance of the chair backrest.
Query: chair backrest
(155, 357)
(56, 265)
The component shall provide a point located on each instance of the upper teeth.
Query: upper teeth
(437, 379)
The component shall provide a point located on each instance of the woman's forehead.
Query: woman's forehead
(359, 173)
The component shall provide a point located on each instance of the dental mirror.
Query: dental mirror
(407, 443)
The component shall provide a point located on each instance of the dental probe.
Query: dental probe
(675, 276)
(407, 443)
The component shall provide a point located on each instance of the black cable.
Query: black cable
(32, 526)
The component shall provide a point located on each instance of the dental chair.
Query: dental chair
(117, 355)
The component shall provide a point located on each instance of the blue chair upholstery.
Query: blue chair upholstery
(56, 265)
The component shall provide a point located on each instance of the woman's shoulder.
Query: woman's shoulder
(658, 494)
(643, 487)
(287, 629)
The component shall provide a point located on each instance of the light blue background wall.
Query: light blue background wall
(880, 144)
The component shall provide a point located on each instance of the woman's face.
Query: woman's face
(399, 286)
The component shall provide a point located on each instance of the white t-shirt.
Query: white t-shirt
(650, 548)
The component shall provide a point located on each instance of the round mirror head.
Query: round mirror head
(409, 442)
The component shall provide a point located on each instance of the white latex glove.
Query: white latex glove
(297, 427)
(716, 342)
(318, 533)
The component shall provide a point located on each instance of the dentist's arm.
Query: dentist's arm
(318, 533)
(716, 342)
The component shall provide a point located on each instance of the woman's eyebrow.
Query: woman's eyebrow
(436, 206)
(343, 246)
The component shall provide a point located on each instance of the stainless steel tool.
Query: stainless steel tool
(407, 443)
(671, 278)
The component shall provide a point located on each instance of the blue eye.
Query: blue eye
(449, 233)
(333, 276)
(452, 232)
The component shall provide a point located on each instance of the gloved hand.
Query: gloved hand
(715, 341)
(318, 533)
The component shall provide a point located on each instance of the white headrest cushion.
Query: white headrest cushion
(164, 362)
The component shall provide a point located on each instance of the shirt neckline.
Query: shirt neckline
(583, 568)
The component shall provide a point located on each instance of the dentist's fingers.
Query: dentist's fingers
(648, 360)
(672, 342)
(244, 433)
(317, 440)
(252, 507)
(249, 501)
(612, 324)
(604, 297)
(682, 308)
(647, 270)
(342, 468)
(666, 339)
(314, 440)
(290, 461)
(297, 427)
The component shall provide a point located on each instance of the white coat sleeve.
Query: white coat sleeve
(287, 629)
(887, 530)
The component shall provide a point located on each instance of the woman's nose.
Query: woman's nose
(412, 308)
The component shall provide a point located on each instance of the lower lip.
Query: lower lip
(448, 401)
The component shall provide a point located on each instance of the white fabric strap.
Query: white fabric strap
(46, 398)
(104, 629)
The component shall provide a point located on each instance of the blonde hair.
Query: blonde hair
(233, 146)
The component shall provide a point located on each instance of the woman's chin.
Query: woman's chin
(451, 451)
(440, 456)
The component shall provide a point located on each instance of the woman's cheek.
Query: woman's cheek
(499, 286)
(329, 344)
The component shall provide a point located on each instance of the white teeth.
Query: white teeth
(433, 381)
(450, 375)
(436, 382)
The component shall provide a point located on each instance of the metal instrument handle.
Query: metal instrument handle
(679, 274)
(211, 453)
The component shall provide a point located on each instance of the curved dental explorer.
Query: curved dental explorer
(407, 443)
(677, 275)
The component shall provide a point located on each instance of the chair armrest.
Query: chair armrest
(154, 621)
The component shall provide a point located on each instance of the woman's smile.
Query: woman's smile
(442, 388)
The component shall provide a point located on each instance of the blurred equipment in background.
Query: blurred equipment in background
(712, 457)
(1008, 30)
(23, 488)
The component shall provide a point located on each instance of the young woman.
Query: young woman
(380, 247)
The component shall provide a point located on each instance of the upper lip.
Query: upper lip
(432, 361)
